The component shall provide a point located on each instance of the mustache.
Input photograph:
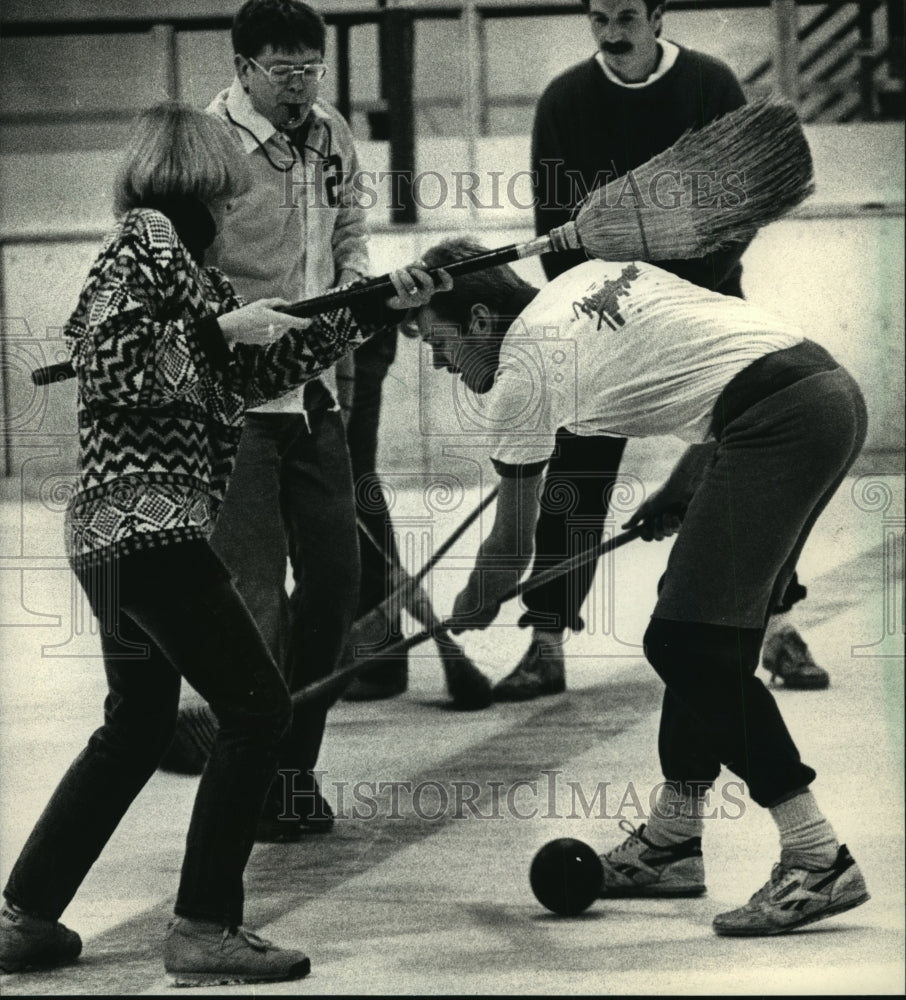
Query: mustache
(616, 48)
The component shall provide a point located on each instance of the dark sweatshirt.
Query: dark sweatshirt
(587, 124)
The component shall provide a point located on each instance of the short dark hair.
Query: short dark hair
(650, 5)
(285, 25)
(499, 288)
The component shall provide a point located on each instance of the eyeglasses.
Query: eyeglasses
(280, 76)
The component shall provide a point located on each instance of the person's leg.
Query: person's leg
(211, 638)
(371, 369)
(729, 567)
(248, 534)
(206, 631)
(664, 856)
(102, 782)
(719, 712)
(192, 621)
(774, 471)
(390, 676)
(574, 505)
(249, 538)
(91, 798)
(319, 513)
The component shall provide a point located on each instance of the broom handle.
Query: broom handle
(407, 588)
(370, 286)
(326, 684)
(53, 373)
(455, 537)
(345, 297)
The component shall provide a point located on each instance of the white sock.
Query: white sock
(677, 814)
(804, 832)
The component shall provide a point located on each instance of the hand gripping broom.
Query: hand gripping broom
(656, 211)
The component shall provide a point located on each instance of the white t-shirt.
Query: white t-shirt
(619, 348)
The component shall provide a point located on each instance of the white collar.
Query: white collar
(669, 52)
(260, 129)
(241, 110)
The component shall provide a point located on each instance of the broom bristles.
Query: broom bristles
(711, 188)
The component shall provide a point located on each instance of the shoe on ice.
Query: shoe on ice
(639, 868)
(28, 942)
(201, 953)
(786, 655)
(541, 671)
(794, 896)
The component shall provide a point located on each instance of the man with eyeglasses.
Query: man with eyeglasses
(297, 232)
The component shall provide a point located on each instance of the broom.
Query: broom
(466, 684)
(324, 686)
(760, 146)
(196, 725)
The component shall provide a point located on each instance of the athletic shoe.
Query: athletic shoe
(795, 896)
(541, 671)
(639, 868)
(785, 655)
(196, 730)
(387, 680)
(312, 814)
(202, 953)
(28, 942)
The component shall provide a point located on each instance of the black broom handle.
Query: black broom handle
(53, 373)
(445, 547)
(414, 580)
(407, 588)
(354, 294)
(370, 286)
(326, 684)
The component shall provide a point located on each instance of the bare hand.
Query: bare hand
(259, 323)
(472, 610)
(660, 516)
(414, 286)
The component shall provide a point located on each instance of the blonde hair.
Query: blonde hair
(177, 152)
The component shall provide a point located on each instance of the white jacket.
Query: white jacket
(300, 224)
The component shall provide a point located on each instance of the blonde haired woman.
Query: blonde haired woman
(168, 359)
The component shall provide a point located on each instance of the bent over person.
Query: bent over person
(168, 359)
(774, 423)
(598, 120)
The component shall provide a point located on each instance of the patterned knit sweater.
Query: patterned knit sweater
(161, 397)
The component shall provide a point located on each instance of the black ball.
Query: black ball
(566, 876)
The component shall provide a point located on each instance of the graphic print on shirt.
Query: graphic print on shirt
(604, 303)
(331, 170)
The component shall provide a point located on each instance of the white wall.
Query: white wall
(841, 278)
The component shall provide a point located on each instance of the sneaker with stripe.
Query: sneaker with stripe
(637, 867)
(795, 896)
